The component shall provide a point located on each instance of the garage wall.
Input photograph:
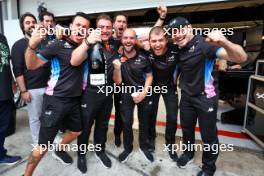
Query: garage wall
(70, 7)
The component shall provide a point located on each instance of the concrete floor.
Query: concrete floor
(240, 162)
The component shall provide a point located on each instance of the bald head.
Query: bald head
(129, 39)
(129, 32)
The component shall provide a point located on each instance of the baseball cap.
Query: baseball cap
(178, 22)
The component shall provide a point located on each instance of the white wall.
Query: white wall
(12, 31)
(70, 7)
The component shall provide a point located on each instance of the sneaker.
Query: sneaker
(104, 159)
(202, 173)
(152, 145)
(117, 141)
(10, 160)
(123, 157)
(81, 163)
(63, 157)
(173, 155)
(147, 155)
(184, 161)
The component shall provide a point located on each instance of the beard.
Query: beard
(28, 33)
(129, 49)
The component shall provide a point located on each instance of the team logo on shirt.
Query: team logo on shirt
(191, 50)
(67, 45)
(171, 58)
(151, 57)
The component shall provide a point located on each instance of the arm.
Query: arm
(31, 59)
(80, 53)
(25, 95)
(143, 42)
(147, 86)
(18, 62)
(117, 77)
(162, 10)
(230, 51)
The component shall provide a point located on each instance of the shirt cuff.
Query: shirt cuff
(42, 57)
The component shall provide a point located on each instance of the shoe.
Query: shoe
(105, 160)
(202, 173)
(81, 163)
(173, 155)
(152, 145)
(63, 157)
(123, 157)
(10, 160)
(184, 161)
(117, 141)
(147, 155)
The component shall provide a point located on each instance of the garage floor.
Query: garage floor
(240, 162)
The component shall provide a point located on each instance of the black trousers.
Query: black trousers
(205, 110)
(171, 104)
(127, 106)
(96, 107)
(6, 109)
(118, 120)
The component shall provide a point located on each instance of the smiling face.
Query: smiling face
(182, 36)
(78, 28)
(129, 40)
(120, 25)
(158, 43)
(29, 25)
(106, 28)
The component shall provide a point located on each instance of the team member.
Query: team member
(136, 73)
(199, 96)
(164, 59)
(61, 103)
(47, 20)
(6, 101)
(31, 83)
(120, 24)
(96, 105)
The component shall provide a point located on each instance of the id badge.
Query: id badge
(97, 79)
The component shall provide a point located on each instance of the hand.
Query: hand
(93, 38)
(38, 34)
(26, 96)
(117, 64)
(216, 38)
(144, 43)
(221, 65)
(137, 99)
(121, 50)
(162, 10)
(14, 87)
(235, 67)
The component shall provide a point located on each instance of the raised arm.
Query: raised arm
(230, 51)
(31, 58)
(162, 10)
(80, 53)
